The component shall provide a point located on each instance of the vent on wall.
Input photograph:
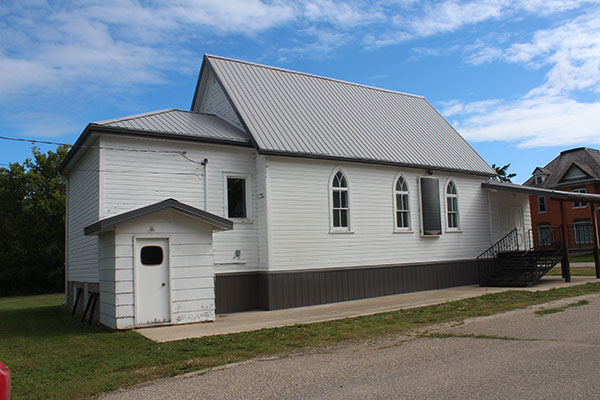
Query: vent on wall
(431, 221)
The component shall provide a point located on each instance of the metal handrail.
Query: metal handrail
(507, 243)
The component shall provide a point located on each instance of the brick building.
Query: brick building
(574, 170)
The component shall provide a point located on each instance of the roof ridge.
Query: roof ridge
(291, 71)
(134, 116)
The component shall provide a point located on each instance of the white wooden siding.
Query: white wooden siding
(132, 180)
(262, 209)
(191, 267)
(82, 209)
(108, 279)
(215, 102)
(300, 217)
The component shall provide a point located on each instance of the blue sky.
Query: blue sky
(520, 80)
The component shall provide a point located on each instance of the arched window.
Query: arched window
(401, 204)
(452, 205)
(340, 202)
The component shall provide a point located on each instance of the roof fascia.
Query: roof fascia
(92, 131)
(554, 194)
(167, 135)
(173, 205)
(376, 162)
(197, 90)
(75, 151)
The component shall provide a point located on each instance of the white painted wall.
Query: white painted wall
(82, 210)
(130, 180)
(215, 102)
(299, 217)
(503, 209)
(191, 269)
(108, 277)
(262, 212)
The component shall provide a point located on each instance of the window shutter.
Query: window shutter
(430, 207)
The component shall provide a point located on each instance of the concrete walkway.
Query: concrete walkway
(255, 320)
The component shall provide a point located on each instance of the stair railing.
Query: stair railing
(487, 262)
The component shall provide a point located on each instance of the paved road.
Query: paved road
(539, 357)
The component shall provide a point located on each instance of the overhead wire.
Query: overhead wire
(35, 141)
(137, 150)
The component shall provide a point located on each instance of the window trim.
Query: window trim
(579, 204)
(395, 194)
(583, 222)
(539, 204)
(330, 189)
(539, 234)
(248, 190)
(455, 196)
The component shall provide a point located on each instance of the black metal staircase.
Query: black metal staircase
(506, 264)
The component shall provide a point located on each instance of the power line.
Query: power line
(35, 141)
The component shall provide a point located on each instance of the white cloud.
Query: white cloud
(539, 122)
(550, 114)
(447, 16)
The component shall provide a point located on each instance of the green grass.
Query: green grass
(575, 271)
(545, 311)
(582, 258)
(52, 355)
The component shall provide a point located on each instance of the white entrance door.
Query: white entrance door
(152, 289)
(511, 218)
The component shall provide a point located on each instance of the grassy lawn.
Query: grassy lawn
(575, 271)
(582, 258)
(52, 355)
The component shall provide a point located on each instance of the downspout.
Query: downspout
(596, 223)
(205, 163)
(597, 243)
(66, 263)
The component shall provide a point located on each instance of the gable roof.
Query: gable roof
(107, 224)
(582, 158)
(293, 113)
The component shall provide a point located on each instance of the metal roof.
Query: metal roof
(530, 190)
(106, 224)
(179, 122)
(293, 113)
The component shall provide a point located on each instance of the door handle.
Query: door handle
(163, 284)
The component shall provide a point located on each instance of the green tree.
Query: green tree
(503, 173)
(32, 221)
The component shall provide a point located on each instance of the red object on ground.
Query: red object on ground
(4, 382)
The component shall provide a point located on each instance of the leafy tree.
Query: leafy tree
(503, 174)
(32, 221)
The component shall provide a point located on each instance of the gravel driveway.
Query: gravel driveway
(518, 354)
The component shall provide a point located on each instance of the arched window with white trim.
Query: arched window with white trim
(340, 204)
(401, 204)
(452, 206)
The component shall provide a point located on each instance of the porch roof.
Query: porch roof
(106, 224)
(529, 190)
